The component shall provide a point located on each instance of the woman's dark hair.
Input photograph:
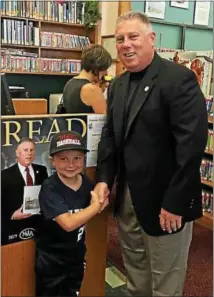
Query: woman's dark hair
(95, 58)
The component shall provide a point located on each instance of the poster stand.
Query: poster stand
(17, 259)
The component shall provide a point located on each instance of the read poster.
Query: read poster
(40, 129)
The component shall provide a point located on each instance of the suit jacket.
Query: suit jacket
(12, 198)
(159, 151)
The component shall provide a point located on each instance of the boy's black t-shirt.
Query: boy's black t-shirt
(57, 248)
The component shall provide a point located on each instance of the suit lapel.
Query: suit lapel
(19, 178)
(36, 175)
(119, 108)
(143, 91)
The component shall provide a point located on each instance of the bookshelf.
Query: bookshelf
(39, 73)
(54, 47)
(207, 184)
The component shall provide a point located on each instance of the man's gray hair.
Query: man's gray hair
(130, 15)
(26, 139)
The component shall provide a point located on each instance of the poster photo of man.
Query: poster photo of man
(16, 223)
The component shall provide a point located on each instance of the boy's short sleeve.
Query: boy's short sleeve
(51, 203)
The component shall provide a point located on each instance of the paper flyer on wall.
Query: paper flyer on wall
(31, 199)
(94, 130)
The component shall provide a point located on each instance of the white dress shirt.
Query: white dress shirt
(24, 173)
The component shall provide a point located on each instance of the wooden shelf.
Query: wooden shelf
(208, 215)
(208, 152)
(41, 73)
(210, 119)
(18, 45)
(206, 221)
(18, 18)
(207, 183)
(61, 49)
(42, 47)
(62, 24)
(42, 21)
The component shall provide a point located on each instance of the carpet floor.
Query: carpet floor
(199, 279)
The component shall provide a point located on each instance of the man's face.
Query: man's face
(69, 163)
(135, 44)
(25, 153)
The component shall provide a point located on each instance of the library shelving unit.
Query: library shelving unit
(207, 219)
(49, 52)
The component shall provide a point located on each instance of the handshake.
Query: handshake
(100, 196)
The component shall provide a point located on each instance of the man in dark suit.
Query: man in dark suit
(16, 225)
(152, 143)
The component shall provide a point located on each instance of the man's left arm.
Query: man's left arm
(189, 126)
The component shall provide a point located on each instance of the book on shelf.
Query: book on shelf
(19, 32)
(207, 201)
(206, 170)
(209, 105)
(209, 146)
(20, 60)
(60, 65)
(62, 40)
(56, 11)
(25, 32)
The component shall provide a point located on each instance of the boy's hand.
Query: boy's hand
(101, 189)
(95, 201)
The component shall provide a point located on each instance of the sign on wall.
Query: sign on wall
(180, 4)
(155, 9)
(202, 12)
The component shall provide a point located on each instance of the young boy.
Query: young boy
(66, 205)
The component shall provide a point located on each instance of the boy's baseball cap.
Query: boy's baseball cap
(67, 140)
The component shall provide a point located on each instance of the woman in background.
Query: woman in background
(82, 93)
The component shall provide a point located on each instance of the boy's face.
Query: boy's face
(69, 163)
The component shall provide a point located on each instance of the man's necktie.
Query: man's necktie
(29, 177)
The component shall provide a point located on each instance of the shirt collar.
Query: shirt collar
(22, 168)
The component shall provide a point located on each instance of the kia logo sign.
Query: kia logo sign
(27, 233)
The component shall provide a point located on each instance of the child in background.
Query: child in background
(67, 202)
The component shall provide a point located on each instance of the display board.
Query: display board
(40, 128)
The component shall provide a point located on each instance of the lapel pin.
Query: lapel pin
(146, 88)
(37, 171)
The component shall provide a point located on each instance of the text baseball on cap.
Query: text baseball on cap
(67, 140)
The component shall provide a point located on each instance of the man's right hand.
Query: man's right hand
(102, 190)
(19, 215)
